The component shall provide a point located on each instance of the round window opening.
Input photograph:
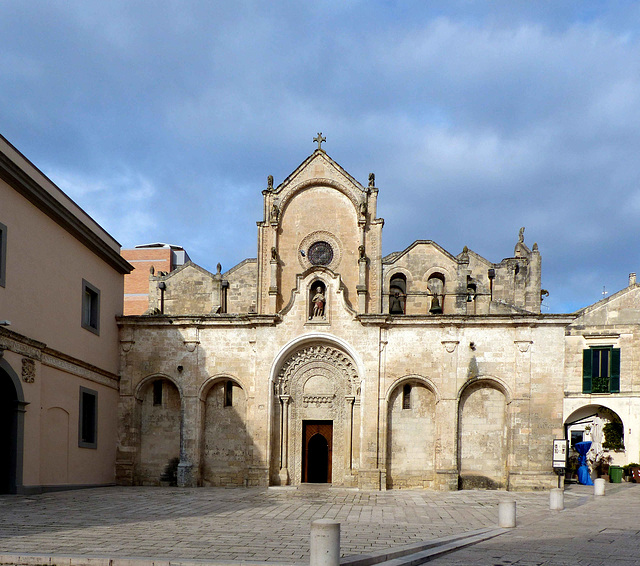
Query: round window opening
(320, 253)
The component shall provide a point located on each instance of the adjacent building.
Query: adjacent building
(159, 257)
(61, 288)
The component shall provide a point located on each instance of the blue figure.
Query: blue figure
(583, 471)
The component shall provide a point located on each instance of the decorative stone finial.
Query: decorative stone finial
(152, 270)
(270, 182)
(320, 139)
(535, 247)
(219, 268)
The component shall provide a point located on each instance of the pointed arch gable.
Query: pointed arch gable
(319, 338)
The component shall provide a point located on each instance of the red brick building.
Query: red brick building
(162, 257)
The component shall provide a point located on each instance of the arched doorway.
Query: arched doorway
(411, 435)
(316, 385)
(159, 412)
(318, 444)
(482, 437)
(225, 442)
(11, 413)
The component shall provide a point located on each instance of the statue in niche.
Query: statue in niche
(318, 303)
(275, 213)
(363, 209)
(361, 254)
(274, 252)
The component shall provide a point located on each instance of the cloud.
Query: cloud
(163, 120)
(121, 203)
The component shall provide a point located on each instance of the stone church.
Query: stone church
(324, 361)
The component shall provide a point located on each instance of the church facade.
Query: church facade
(322, 360)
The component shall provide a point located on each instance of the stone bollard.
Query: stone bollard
(598, 487)
(556, 500)
(325, 543)
(507, 514)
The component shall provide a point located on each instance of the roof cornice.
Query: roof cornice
(20, 181)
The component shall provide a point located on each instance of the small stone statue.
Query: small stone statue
(274, 253)
(521, 235)
(152, 270)
(275, 213)
(219, 268)
(361, 251)
(363, 209)
(372, 179)
(318, 303)
(270, 182)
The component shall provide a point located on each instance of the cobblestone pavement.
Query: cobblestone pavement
(605, 531)
(254, 524)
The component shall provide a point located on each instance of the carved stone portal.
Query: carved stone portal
(319, 383)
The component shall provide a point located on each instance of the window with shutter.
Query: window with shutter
(601, 370)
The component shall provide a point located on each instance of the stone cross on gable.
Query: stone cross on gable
(320, 139)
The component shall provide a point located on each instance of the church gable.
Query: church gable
(319, 216)
(620, 308)
(188, 290)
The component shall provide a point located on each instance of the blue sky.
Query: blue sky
(163, 119)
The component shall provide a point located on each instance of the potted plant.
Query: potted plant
(601, 466)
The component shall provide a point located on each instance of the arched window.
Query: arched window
(406, 396)
(397, 294)
(435, 285)
(317, 300)
(157, 392)
(228, 394)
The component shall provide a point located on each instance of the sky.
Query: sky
(163, 119)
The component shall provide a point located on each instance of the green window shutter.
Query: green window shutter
(614, 381)
(586, 371)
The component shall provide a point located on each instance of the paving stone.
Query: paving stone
(256, 524)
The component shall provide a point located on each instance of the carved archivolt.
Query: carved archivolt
(311, 360)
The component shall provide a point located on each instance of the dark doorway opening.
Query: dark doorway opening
(8, 434)
(318, 443)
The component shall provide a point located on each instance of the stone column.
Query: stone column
(348, 452)
(189, 434)
(446, 457)
(284, 439)
(361, 288)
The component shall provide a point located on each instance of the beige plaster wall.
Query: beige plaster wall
(43, 293)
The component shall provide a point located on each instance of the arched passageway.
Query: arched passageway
(10, 412)
(482, 437)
